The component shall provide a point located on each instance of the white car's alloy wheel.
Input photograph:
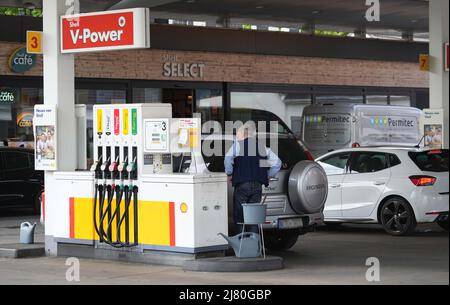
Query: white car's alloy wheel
(397, 217)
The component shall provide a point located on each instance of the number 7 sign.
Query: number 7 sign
(34, 42)
(424, 62)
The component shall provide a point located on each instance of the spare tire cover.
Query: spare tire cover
(308, 187)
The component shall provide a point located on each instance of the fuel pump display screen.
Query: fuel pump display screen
(156, 135)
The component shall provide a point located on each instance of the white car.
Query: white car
(396, 187)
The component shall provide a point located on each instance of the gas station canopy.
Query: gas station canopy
(400, 15)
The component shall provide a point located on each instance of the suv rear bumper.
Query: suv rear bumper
(309, 221)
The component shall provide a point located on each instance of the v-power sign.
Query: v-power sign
(106, 31)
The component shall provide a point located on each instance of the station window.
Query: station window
(91, 97)
(209, 102)
(400, 100)
(377, 99)
(147, 95)
(182, 100)
(16, 115)
(338, 98)
(185, 101)
(284, 107)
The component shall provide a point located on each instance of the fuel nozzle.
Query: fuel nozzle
(131, 169)
(122, 168)
(95, 168)
(113, 167)
(104, 167)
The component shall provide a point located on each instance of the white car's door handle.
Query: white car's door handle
(274, 179)
(334, 186)
(379, 183)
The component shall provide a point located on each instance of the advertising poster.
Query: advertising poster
(433, 128)
(45, 134)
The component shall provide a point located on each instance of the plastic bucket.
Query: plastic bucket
(254, 213)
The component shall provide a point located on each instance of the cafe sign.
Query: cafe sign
(7, 96)
(25, 120)
(20, 61)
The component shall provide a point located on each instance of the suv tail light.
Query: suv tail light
(423, 180)
(309, 156)
(356, 145)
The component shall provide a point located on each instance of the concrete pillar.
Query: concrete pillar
(59, 89)
(59, 84)
(439, 82)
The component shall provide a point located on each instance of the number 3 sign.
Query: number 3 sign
(34, 42)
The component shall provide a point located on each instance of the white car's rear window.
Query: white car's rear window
(431, 161)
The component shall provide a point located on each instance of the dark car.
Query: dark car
(20, 185)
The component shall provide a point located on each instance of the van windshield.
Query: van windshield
(431, 161)
(327, 130)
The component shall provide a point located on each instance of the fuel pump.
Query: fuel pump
(138, 200)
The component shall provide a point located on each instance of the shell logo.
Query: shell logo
(184, 208)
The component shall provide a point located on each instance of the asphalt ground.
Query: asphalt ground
(338, 255)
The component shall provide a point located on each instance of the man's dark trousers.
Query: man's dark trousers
(247, 192)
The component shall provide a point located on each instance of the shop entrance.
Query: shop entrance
(182, 101)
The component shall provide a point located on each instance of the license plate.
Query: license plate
(290, 223)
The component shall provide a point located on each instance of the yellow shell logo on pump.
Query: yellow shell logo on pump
(184, 207)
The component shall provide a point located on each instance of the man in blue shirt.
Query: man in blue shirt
(249, 165)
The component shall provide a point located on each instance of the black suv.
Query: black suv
(20, 185)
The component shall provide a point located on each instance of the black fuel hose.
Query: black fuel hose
(128, 195)
(136, 224)
(102, 213)
(99, 190)
(116, 215)
(107, 235)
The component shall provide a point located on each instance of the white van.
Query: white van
(328, 127)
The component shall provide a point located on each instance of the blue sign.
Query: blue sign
(20, 61)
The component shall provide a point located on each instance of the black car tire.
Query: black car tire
(397, 217)
(281, 240)
(37, 203)
(444, 225)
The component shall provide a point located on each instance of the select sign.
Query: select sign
(20, 61)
